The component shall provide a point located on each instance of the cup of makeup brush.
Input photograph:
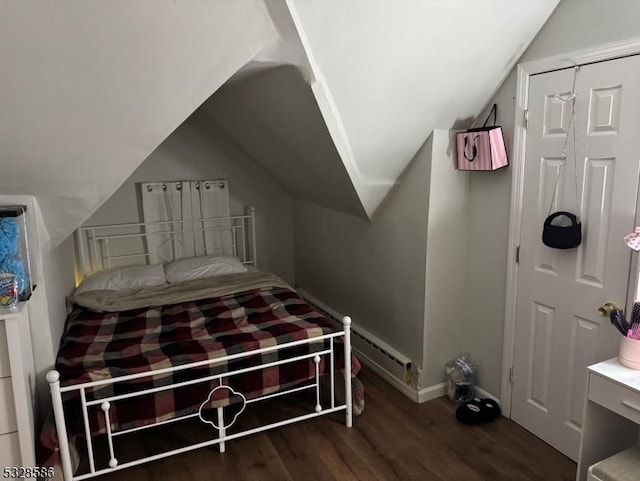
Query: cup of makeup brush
(629, 354)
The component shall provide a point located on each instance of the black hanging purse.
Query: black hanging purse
(563, 230)
(562, 234)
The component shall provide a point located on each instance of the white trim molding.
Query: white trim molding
(438, 390)
(432, 392)
(599, 53)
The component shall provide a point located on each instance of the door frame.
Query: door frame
(599, 53)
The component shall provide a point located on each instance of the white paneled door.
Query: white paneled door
(558, 329)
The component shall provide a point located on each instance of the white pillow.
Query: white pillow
(124, 278)
(194, 268)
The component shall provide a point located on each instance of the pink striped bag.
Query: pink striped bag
(482, 148)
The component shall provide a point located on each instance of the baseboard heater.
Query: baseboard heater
(370, 349)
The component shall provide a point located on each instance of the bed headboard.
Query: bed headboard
(101, 247)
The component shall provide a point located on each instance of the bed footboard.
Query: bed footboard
(220, 426)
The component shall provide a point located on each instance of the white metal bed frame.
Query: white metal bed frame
(95, 253)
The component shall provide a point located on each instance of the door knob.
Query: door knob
(607, 309)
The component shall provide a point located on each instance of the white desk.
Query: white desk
(611, 415)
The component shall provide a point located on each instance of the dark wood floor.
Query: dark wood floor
(395, 439)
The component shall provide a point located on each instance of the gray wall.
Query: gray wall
(578, 24)
(58, 278)
(199, 150)
(446, 275)
(373, 271)
(403, 277)
(575, 25)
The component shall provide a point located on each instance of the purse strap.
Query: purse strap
(574, 219)
(571, 128)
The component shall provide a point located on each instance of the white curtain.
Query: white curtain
(214, 202)
(186, 203)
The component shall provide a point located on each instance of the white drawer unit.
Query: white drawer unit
(615, 397)
(611, 416)
(17, 445)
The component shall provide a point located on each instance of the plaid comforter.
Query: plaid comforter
(106, 345)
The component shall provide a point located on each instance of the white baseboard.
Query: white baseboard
(485, 394)
(431, 392)
(423, 395)
(437, 390)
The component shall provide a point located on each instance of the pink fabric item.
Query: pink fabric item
(481, 149)
(633, 239)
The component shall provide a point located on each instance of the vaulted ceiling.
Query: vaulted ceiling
(337, 96)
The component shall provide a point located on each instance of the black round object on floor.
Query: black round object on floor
(478, 411)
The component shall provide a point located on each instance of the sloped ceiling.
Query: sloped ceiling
(387, 73)
(274, 116)
(382, 76)
(89, 89)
